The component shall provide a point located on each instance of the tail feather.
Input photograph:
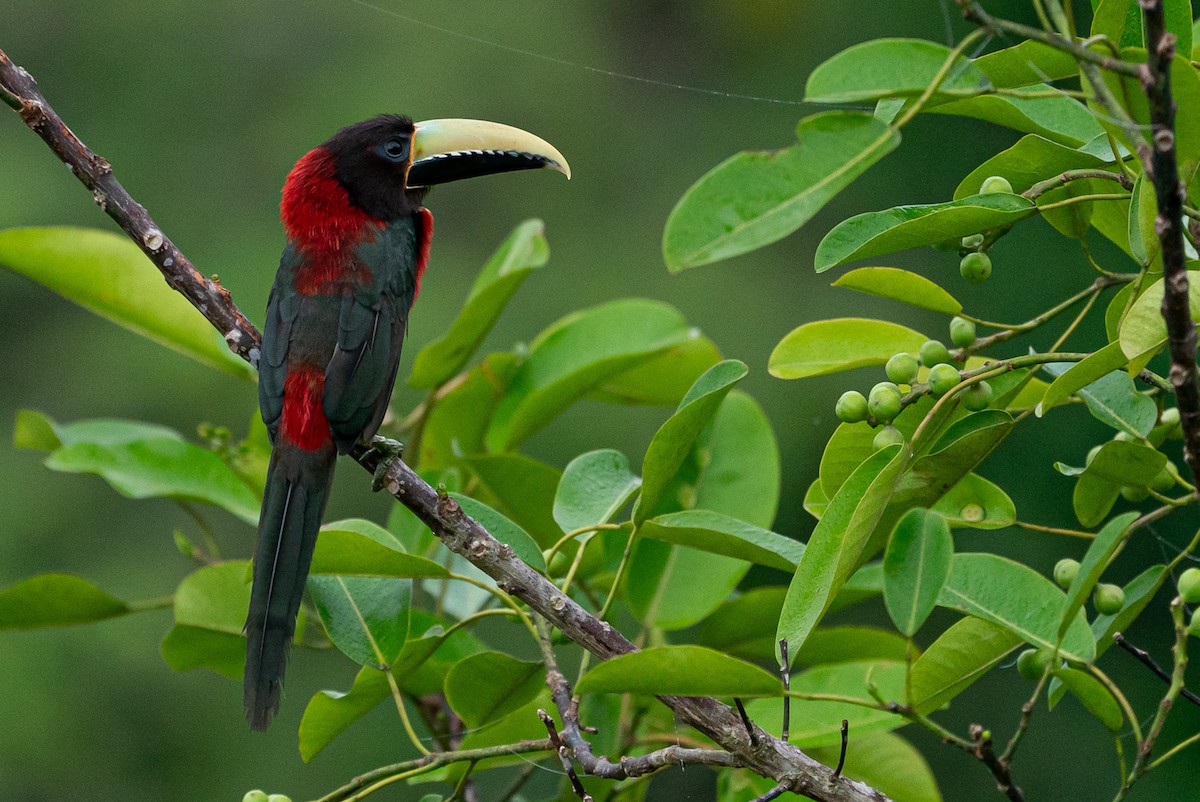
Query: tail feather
(294, 500)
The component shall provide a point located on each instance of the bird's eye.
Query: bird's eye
(394, 149)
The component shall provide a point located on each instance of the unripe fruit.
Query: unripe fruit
(255, 796)
(1169, 417)
(1031, 664)
(995, 183)
(851, 407)
(934, 352)
(977, 396)
(902, 368)
(962, 331)
(279, 798)
(1189, 586)
(972, 241)
(1065, 571)
(942, 379)
(1194, 625)
(1165, 480)
(884, 401)
(975, 267)
(1134, 494)
(1108, 599)
(887, 436)
(1091, 455)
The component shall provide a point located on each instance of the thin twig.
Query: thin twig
(837, 770)
(999, 767)
(1145, 659)
(774, 793)
(785, 674)
(749, 725)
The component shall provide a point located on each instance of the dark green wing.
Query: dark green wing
(282, 309)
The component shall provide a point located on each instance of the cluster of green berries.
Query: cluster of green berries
(1107, 599)
(261, 796)
(1189, 593)
(976, 265)
(884, 402)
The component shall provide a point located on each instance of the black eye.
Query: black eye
(394, 149)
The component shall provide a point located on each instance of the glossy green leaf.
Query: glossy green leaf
(489, 685)
(504, 530)
(109, 275)
(744, 626)
(887, 763)
(1113, 399)
(1031, 160)
(330, 713)
(365, 617)
(1025, 64)
(845, 644)
(832, 346)
(679, 671)
(1093, 497)
(55, 600)
(594, 486)
(883, 68)
(850, 445)
(1185, 91)
(661, 588)
(834, 549)
(900, 285)
(1081, 374)
(423, 664)
(661, 381)
(737, 463)
(1126, 463)
(905, 227)
(755, 198)
(1018, 598)
(361, 548)
(458, 422)
(976, 503)
(1139, 592)
(522, 724)
(673, 441)
(186, 648)
(960, 655)
(520, 254)
(915, 567)
(1100, 553)
(522, 489)
(815, 500)
(821, 721)
(1142, 330)
(1060, 117)
(715, 533)
(1095, 698)
(1143, 242)
(1073, 220)
(575, 356)
(210, 614)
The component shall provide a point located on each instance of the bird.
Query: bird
(358, 239)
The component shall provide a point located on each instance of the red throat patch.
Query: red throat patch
(316, 210)
(424, 241)
(304, 424)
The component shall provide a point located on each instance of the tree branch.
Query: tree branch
(768, 756)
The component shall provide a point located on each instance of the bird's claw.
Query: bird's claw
(389, 451)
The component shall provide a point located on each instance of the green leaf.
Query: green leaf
(504, 530)
(575, 356)
(905, 227)
(834, 549)
(976, 503)
(1099, 554)
(962, 654)
(1142, 331)
(815, 500)
(458, 422)
(1126, 463)
(832, 346)
(900, 285)
(1081, 374)
(345, 548)
(679, 671)
(55, 600)
(744, 626)
(1139, 592)
(1093, 696)
(715, 533)
(151, 462)
(737, 463)
(107, 274)
(661, 381)
(1018, 598)
(884, 68)
(845, 644)
(1112, 399)
(1185, 91)
(661, 588)
(1093, 497)
(210, 614)
(330, 713)
(1025, 64)
(365, 617)
(886, 762)
(755, 198)
(520, 488)
(489, 685)
(1032, 159)
(915, 568)
(520, 254)
(673, 440)
(594, 486)
(185, 648)
(1059, 117)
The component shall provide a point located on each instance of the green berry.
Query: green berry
(1108, 599)
(1091, 455)
(962, 331)
(1189, 586)
(943, 378)
(1169, 416)
(1165, 480)
(934, 352)
(975, 267)
(851, 407)
(279, 798)
(1194, 625)
(887, 436)
(884, 401)
(995, 183)
(902, 368)
(255, 796)
(977, 396)
(972, 241)
(1065, 571)
(1134, 494)
(1031, 664)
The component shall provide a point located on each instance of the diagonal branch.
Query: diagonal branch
(767, 756)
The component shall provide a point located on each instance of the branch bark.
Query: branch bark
(766, 755)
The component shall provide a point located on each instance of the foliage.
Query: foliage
(664, 550)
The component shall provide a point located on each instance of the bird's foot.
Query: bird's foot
(389, 451)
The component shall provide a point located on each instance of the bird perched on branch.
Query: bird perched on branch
(358, 242)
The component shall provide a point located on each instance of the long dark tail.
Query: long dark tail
(296, 491)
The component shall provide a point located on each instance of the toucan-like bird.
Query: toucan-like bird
(358, 242)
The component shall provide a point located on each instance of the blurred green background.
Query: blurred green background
(203, 108)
